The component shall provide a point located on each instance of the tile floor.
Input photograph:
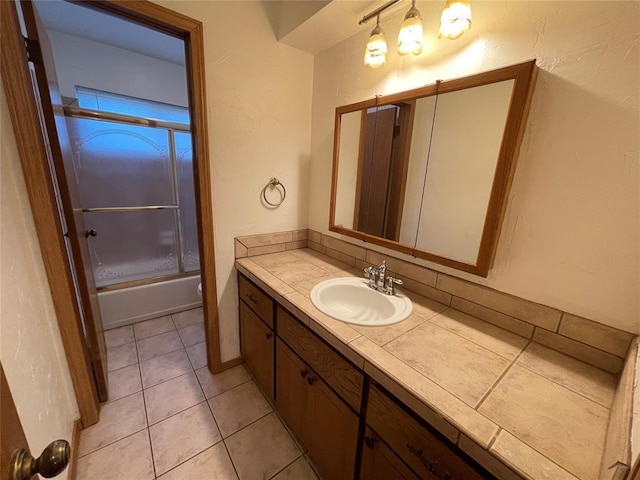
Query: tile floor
(168, 418)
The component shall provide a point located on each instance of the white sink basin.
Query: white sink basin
(350, 300)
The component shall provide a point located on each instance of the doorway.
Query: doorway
(32, 149)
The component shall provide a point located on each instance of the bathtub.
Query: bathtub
(130, 305)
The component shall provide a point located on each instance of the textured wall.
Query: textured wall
(31, 350)
(259, 99)
(571, 232)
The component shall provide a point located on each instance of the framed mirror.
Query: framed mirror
(427, 172)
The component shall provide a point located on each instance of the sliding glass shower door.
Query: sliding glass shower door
(135, 179)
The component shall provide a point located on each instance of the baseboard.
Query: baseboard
(234, 362)
(75, 439)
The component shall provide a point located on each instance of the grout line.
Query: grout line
(286, 466)
(500, 377)
(111, 443)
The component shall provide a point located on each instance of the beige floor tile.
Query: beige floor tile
(121, 356)
(262, 449)
(171, 397)
(157, 345)
(496, 339)
(182, 436)
(188, 317)
(192, 334)
(124, 382)
(213, 463)
(119, 336)
(118, 419)
(215, 384)
(460, 366)
(198, 355)
(164, 367)
(560, 424)
(582, 378)
(153, 327)
(129, 458)
(238, 407)
(298, 470)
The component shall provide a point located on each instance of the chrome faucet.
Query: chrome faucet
(380, 281)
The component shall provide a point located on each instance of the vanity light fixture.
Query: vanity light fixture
(455, 19)
(376, 52)
(411, 37)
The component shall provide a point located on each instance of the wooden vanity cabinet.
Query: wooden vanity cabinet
(257, 339)
(323, 422)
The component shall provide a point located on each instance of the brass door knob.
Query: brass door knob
(51, 462)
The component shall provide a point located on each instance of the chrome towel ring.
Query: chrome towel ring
(273, 183)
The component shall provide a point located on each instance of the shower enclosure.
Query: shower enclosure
(134, 171)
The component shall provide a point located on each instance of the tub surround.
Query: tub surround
(490, 383)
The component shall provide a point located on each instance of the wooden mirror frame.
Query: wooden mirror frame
(524, 76)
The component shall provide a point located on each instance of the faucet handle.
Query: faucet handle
(368, 272)
(390, 285)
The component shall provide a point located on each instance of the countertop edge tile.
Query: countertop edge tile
(539, 467)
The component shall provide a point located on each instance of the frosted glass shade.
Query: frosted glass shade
(410, 37)
(376, 52)
(455, 19)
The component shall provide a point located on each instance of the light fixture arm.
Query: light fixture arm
(378, 11)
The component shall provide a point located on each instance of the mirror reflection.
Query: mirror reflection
(426, 171)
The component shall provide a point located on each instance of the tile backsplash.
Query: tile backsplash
(597, 344)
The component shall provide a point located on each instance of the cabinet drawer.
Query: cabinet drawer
(424, 452)
(259, 302)
(333, 369)
(380, 463)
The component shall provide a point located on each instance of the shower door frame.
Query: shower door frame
(31, 148)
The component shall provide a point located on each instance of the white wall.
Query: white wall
(31, 349)
(348, 167)
(95, 65)
(259, 99)
(571, 232)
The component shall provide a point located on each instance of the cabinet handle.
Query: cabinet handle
(370, 442)
(253, 299)
(431, 467)
(268, 335)
(310, 380)
(303, 373)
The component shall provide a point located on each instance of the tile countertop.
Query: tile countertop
(494, 393)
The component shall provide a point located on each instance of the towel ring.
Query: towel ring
(273, 183)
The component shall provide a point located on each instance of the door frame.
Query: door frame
(31, 148)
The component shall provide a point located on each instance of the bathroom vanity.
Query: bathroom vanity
(327, 401)
(442, 394)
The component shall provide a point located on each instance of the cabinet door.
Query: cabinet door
(257, 345)
(380, 463)
(323, 422)
(331, 431)
(292, 392)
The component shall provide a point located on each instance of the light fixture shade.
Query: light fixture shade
(411, 36)
(455, 19)
(375, 54)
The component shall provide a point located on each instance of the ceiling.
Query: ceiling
(308, 25)
(84, 22)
